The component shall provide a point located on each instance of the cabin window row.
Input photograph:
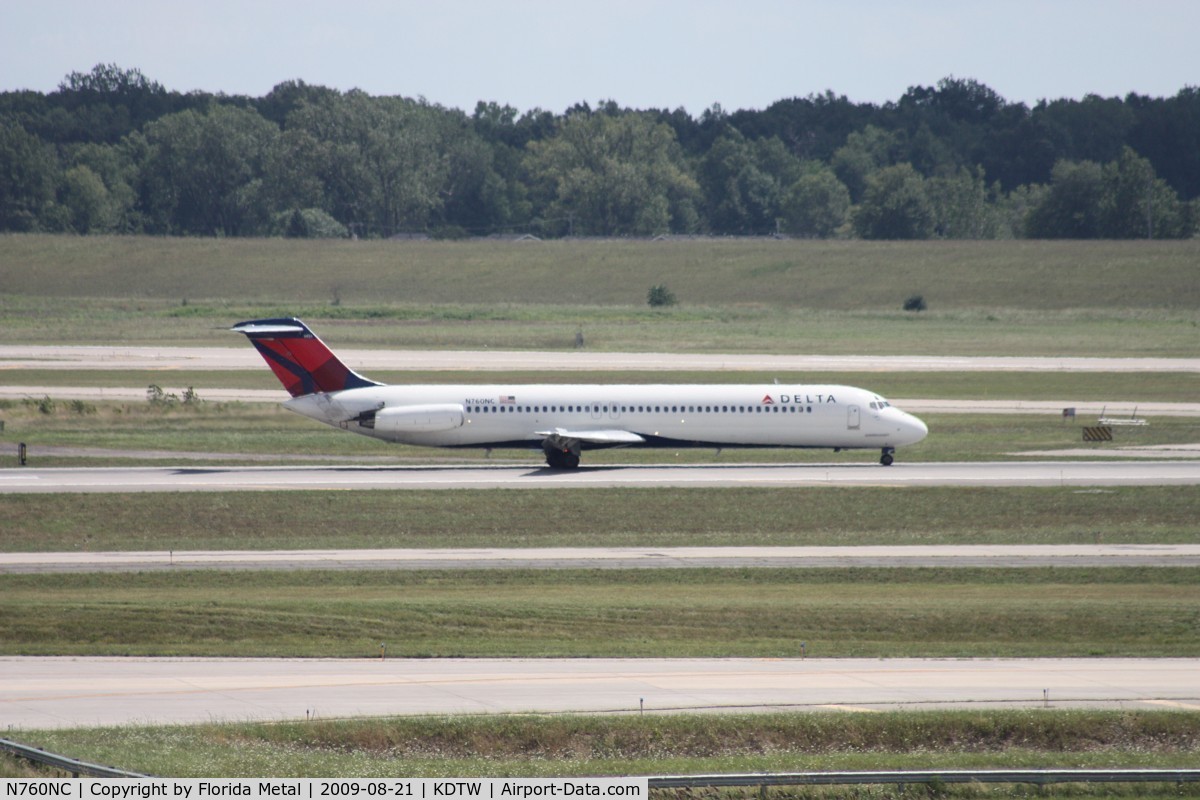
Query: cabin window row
(725, 409)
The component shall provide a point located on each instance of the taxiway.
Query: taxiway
(75, 692)
(792, 557)
(195, 478)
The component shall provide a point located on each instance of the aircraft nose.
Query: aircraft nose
(914, 430)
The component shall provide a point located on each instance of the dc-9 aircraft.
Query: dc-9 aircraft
(564, 420)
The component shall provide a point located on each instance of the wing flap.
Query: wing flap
(615, 436)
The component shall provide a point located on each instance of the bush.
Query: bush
(915, 302)
(659, 295)
(451, 233)
(307, 223)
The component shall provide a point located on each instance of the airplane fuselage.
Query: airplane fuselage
(742, 415)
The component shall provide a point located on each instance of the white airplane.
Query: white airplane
(563, 420)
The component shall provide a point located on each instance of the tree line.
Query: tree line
(111, 151)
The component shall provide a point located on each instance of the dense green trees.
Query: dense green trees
(816, 205)
(894, 205)
(612, 174)
(112, 151)
(27, 177)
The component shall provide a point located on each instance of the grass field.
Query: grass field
(993, 298)
(1165, 332)
(788, 274)
(701, 613)
(675, 744)
(1115, 387)
(597, 517)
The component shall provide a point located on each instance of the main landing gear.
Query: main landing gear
(561, 459)
(886, 459)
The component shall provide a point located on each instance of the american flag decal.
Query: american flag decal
(507, 399)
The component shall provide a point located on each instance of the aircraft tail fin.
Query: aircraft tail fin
(301, 361)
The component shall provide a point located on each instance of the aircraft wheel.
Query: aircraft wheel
(886, 459)
(562, 459)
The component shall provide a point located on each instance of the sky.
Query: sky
(552, 54)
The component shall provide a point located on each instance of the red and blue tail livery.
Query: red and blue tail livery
(299, 359)
(563, 419)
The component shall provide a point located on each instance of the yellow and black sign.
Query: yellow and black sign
(1101, 433)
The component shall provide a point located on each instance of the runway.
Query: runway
(812, 557)
(76, 692)
(1143, 472)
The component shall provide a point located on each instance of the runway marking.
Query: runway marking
(857, 709)
(1174, 704)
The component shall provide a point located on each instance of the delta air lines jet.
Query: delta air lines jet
(564, 420)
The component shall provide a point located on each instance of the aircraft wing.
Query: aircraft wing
(612, 437)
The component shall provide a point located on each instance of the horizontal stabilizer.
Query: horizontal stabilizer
(272, 327)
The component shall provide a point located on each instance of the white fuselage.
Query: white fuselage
(762, 415)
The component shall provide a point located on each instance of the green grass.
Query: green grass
(985, 298)
(533, 746)
(1118, 388)
(1153, 612)
(598, 517)
(807, 274)
(709, 329)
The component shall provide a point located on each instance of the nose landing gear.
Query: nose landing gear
(886, 459)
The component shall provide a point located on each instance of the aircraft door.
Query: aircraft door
(854, 418)
(601, 410)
